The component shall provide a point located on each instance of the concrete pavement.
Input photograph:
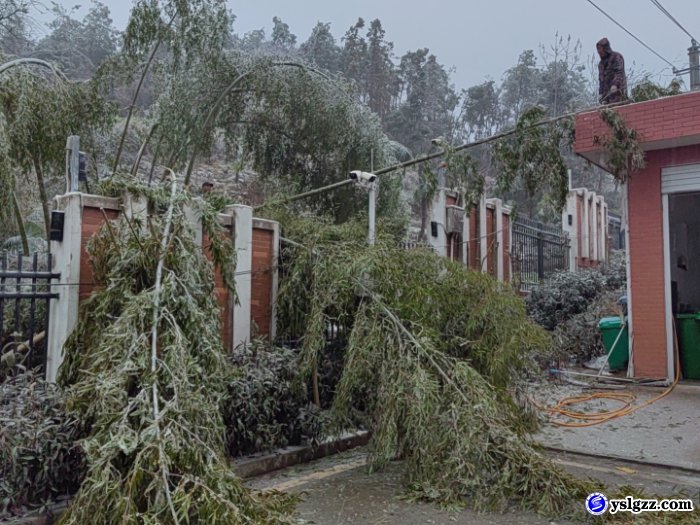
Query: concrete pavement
(666, 432)
(339, 491)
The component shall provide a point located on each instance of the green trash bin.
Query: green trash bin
(689, 344)
(609, 329)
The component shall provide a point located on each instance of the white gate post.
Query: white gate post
(243, 242)
(66, 261)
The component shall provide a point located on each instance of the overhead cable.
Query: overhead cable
(630, 33)
(673, 19)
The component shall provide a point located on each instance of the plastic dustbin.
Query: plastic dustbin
(689, 344)
(609, 329)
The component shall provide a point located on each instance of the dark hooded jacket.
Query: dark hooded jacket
(611, 72)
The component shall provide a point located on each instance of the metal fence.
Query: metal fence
(537, 250)
(25, 299)
(617, 233)
(415, 245)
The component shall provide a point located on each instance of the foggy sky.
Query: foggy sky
(480, 39)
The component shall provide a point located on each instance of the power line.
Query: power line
(672, 18)
(630, 33)
(432, 156)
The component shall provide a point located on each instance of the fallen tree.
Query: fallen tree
(434, 361)
(146, 370)
(434, 357)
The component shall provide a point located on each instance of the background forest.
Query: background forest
(262, 113)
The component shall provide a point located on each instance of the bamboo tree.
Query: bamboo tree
(173, 34)
(20, 225)
(133, 371)
(37, 113)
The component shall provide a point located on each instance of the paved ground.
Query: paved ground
(666, 432)
(339, 491)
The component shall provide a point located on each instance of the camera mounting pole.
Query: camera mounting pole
(368, 181)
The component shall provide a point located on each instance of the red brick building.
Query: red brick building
(662, 220)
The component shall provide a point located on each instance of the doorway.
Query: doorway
(684, 252)
(681, 202)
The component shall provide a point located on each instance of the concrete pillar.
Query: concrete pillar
(571, 226)
(275, 278)
(499, 238)
(66, 261)
(628, 275)
(194, 219)
(694, 61)
(508, 236)
(603, 233)
(465, 237)
(594, 226)
(586, 227)
(243, 242)
(135, 207)
(438, 214)
(483, 237)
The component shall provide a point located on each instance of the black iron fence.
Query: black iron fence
(25, 299)
(537, 250)
(415, 245)
(616, 232)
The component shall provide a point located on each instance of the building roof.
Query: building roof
(662, 123)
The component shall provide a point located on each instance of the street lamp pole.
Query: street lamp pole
(372, 210)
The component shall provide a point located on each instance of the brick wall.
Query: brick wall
(263, 281)
(673, 120)
(93, 219)
(669, 129)
(223, 296)
(491, 241)
(261, 299)
(647, 260)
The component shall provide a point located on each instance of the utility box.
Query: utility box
(455, 219)
(609, 330)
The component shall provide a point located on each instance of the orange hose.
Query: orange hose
(588, 419)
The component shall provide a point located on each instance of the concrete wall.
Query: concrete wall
(585, 220)
(485, 240)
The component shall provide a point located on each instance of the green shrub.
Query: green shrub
(267, 405)
(570, 305)
(579, 338)
(39, 456)
(566, 294)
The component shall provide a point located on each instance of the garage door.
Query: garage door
(680, 179)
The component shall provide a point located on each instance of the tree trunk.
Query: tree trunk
(20, 226)
(316, 393)
(44, 196)
(146, 69)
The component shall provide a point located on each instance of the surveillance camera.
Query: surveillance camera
(362, 176)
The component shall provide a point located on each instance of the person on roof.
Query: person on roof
(612, 81)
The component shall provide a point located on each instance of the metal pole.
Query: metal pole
(694, 59)
(72, 163)
(372, 206)
(540, 256)
(372, 202)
